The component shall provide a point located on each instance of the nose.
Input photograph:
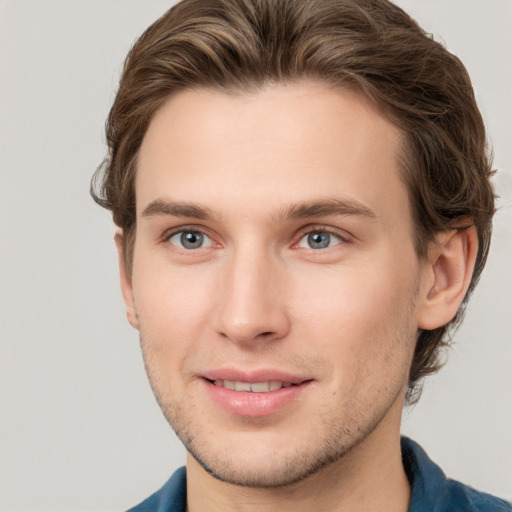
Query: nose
(252, 299)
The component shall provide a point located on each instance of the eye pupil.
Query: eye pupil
(191, 239)
(319, 240)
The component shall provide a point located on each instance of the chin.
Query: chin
(261, 473)
(264, 460)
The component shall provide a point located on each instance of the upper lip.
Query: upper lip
(262, 375)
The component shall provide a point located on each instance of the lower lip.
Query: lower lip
(254, 405)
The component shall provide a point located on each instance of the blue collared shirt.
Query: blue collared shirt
(431, 490)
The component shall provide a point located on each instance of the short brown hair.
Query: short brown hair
(371, 46)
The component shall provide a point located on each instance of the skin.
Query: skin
(256, 295)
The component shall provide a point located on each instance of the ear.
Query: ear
(126, 282)
(450, 268)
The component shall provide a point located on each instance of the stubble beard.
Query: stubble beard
(336, 434)
(338, 437)
(290, 470)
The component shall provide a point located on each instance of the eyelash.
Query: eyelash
(185, 229)
(343, 236)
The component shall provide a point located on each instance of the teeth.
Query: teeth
(260, 387)
(242, 386)
(255, 387)
(275, 385)
(229, 384)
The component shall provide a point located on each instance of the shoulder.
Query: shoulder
(171, 497)
(459, 495)
(433, 492)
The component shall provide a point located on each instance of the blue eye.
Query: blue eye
(319, 240)
(190, 240)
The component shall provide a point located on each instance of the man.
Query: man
(302, 190)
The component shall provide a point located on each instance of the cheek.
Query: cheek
(350, 298)
(367, 341)
(173, 316)
(362, 321)
(172, 304)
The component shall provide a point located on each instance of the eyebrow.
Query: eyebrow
(325, 208)
(322, 208)
(160, 207)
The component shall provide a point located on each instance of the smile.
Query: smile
(256, 395)
(253, 387)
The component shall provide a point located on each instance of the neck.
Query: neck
(369, 477)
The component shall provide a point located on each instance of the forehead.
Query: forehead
(277, 146)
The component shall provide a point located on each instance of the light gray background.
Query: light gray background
(80, 430)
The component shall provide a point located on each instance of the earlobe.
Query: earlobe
(126, 282)
(451, 263)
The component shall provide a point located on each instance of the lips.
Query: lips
(254, 394)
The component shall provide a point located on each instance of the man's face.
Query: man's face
(274, 249)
